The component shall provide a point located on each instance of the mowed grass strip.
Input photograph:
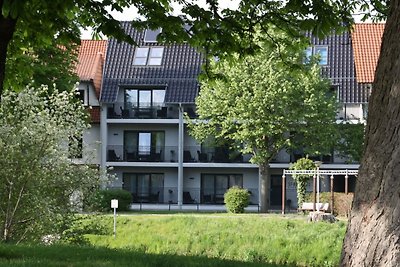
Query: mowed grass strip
(251, 238)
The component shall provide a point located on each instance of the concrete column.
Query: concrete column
(314, 191)
(180, 156)
(103, 137)
(332, 194)
(283, 194)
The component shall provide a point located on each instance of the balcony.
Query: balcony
(118, 153)
(121, 110)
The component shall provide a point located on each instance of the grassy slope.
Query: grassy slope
(251, 238)
(192, 240)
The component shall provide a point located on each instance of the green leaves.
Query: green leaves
(38, 182)
(257, 100)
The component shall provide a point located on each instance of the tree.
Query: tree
(33, 24)
(37, 179)
(259, 102)
(48, 64)
(372, 237)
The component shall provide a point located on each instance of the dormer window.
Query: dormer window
(150, 36)
(151, 56)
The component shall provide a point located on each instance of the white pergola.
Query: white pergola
(316, 176)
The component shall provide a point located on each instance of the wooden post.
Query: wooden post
(314, 191)
(346, 184)
(283, 194)
(332, 195)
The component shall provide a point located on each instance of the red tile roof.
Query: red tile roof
(366, 40)
(90, 62)
(94, 114)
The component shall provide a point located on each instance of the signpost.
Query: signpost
(114, 205)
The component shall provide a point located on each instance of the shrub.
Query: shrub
(101, 200)
(236, 199)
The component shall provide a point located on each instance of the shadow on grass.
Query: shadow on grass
(24, 255)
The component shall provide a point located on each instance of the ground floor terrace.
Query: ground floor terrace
(204, 188)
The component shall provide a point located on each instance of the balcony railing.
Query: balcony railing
(349, 111)
(142, 153)
(170, 154)
(121, 110)
(213, 154)
(165, 195)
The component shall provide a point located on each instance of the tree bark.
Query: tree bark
(7, 29)
(372, 237)
(265, 186)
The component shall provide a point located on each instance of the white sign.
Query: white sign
(114, 203)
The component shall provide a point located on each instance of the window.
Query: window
(144, 145)
(144, 187)
(144, 97)
(151, 56)
(81, 96)
(322, 52)
(75, 147)
(319, 51)
(141, 56)
(150, 36)
(214, 186)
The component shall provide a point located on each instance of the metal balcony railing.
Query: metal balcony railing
(123, 110)
(165, 195)
(213, 154)
(142, 153)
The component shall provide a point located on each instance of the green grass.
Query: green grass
(192, 240)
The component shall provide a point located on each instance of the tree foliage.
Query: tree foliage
(302, 179)
(257, 101)
(350, 141)
(38, 182)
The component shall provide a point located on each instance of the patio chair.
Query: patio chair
(112, 156)
(187, 198)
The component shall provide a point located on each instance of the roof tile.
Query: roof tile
(90, 62)
(366, 39)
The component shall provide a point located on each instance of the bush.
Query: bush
(101, 200)
(236, 199)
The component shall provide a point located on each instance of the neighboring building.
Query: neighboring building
(90, 72)
(146, 91)
(366, 40)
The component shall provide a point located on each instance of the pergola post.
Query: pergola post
(332, 194)
(283, 194)
(346, 183)
(314, 191)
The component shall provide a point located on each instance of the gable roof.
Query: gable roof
(366, 40)
(181, 64)
(340, 68)
(90, 62)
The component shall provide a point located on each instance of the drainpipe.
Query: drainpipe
(103, 138)
(180, 156)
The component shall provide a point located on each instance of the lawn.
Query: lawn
(191, 240)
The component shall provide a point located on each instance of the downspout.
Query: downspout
(180, 156)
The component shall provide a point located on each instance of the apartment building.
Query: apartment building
(89, 69)
(146, 92)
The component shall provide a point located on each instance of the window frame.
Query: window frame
(148, 59)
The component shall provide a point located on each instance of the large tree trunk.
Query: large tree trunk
(372, 237)
(7, 28)
(265, 186)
